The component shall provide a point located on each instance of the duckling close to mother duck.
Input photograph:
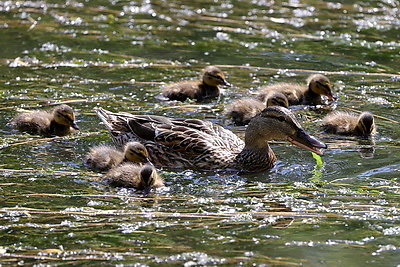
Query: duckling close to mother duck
(344, 123)
(297, 94)
(199, 90)
(243, 109)
(200, 144)
(56, 123)
(102, 158)
(140, 177)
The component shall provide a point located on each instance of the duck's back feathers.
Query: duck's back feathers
(35, 122)
(134, 176)
(57, 123)
(242, 110)
(199, 90)
(181, 91)
(293, 92)
(102, 158)
(174, 142)
(344, 123)
(307, 94)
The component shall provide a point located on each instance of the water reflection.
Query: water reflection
(119, 54)
(367, 148)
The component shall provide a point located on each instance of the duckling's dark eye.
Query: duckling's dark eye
(323, 85)
(281, 118)
(216, 77)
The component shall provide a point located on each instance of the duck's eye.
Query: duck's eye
(326, 86)
(281, 118)
(217, 77)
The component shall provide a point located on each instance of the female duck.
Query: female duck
(134, 176)
(297, 94)
(339, 122)
(199, 90)
(199, 144)
(242, 110)
(57, 123)
(102, 158)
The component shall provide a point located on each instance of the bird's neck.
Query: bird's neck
(256, 159)
(311, 97)
(208, 91)
(58, 129)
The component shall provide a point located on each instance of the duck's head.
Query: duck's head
(213, 76)
(64, 115)
(136, 152)
(277, 99)
(321, 85)
(366, 124)
(279, 123)
(148, 177)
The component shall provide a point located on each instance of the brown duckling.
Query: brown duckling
(57, 123)
(344, 123)
(297, 94)
(134, 176)
(243, 109)
(201, 144)
(199, 90)
(102, 158)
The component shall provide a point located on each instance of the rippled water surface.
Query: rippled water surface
(119, 54)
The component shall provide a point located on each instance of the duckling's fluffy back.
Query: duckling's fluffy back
(129, 175)
(102, 158)
(345, 123)
(35, 122)
(292, 91)
(44, 123)
(242, 110)
(183, 90)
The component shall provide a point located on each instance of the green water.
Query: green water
(119, 54)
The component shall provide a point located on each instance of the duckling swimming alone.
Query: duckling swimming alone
(134, 176)
(242, 110)
(102, 158)
(199, 90)
(344, 123)
(200, 144)
(56, 123)
(317, 85)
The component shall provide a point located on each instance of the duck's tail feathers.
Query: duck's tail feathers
(105, 116)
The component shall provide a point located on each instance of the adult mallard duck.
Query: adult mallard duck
(344, 123)
(56, 123)
(200, 144)
(242, 110)
(102, 158)
(317, 86)
(134, 176)
(199, 90)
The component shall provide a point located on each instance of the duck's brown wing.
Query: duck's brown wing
(188, 139)
(204, 144)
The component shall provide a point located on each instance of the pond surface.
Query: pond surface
(119, 54)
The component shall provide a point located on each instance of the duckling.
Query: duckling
(134, 176)
(102, 158)
(344, 123)
(297, 94)
(200, 144)
(199, 90)
(243, 109)
(56, 123)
